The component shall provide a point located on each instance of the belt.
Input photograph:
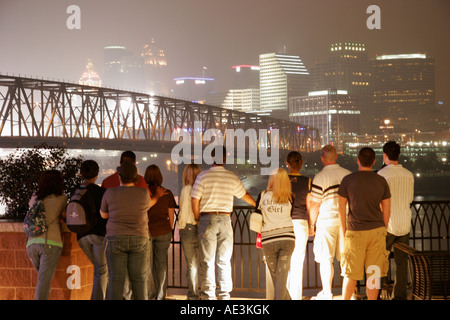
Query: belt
(213, 213)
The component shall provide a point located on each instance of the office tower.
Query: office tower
(90, 77)
(244, 95)
(348, 68)
(242, 100)
(334, 112)
(245, 77)
(122, 69)
(404, 92)
(155, 65)
(281, 76)
(194, 89)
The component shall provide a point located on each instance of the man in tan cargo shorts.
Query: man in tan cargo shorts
(364, 229)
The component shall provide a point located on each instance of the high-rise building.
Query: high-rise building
(334, 112)
(155, 65)
(122, 69)
(242, 100)
(348, 68)
(404, 92)
(245, 77)
(193, 88)
(281, 76)
(90, 77)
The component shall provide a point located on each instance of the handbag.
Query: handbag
(256, 218)
(256, 222)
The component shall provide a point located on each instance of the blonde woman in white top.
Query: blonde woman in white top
(278, 237)
(189, 230)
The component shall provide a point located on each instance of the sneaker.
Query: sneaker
(322, 296)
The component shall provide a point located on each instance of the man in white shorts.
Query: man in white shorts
(324, 215)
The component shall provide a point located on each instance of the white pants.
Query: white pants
(295, 277)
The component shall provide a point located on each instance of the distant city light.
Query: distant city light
(402, 56)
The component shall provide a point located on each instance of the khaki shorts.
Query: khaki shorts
(328, 243)
(364, 249)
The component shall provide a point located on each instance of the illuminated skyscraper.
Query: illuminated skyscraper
(404, 92)
(348, 68)
(334, 112)
(281, 76)
(155, 64)
(90, 77)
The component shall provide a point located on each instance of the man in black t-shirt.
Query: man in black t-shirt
(368, 197)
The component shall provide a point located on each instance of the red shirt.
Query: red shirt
(114, 181)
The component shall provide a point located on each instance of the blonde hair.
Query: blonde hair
(190, 173)
(280, 185)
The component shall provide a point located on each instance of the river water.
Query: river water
(426, 188)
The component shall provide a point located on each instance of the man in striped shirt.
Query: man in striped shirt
(212, 203)
(401, 184)
(324, 215)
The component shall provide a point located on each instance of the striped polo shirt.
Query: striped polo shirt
(324, 191)
(216, 188)
(401, 184)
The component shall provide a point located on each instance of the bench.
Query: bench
(430, 273)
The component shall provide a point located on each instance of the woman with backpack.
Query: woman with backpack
(45, 250)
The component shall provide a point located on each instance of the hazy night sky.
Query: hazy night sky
(217, 34)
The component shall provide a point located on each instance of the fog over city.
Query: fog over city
(208, 37)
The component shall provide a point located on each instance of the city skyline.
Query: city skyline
(218, 35)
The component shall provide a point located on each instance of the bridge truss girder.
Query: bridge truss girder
(50, 110)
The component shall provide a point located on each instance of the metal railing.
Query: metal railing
(430, 230)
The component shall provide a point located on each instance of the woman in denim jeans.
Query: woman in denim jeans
(93, 242)
(45, 250)
(127, 237)
(160, 224)
(189, 229)
(277, 234)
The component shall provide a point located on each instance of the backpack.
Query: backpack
(80, 212)
(35, 222)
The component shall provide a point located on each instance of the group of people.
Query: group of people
(354, 217)
(129, 242)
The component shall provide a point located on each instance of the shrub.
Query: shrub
(20, 172)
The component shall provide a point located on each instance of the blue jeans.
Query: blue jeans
(93, 247)
(160, 246)
(278, 259)
(45, 260)
(216, 250)
(127, 254)
(189, 242)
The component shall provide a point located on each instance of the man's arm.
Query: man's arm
(105, 215)
(343, 213)
(386, 209)
(196, 208)
(313, 214)
(249, 199)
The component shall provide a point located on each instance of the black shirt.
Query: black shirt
(301, 186)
